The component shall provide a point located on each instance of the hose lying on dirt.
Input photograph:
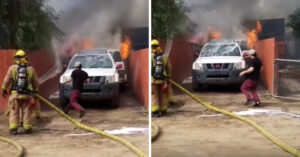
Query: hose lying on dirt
(260, 129)
(126, 143)
(20, 149)
(155, 131)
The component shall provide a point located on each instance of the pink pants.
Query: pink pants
(75, 95)
(250, 86)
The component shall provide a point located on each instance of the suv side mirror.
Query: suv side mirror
(64, 67)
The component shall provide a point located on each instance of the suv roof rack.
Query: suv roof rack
(223, 41)
(93, 51)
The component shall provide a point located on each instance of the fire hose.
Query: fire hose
(250, 122)
(155, 131)
(20, 149)
(123, 141)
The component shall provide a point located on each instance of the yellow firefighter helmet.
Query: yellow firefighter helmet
(20, 53)
(154, 42)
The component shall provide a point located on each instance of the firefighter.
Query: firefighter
(23, 83)
(159, 80)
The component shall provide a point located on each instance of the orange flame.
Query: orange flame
(252, 35)
(125, 47)
(87, 44)
(213, 34)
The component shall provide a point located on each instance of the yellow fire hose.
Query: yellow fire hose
(260, 129)
(20, 149)
(155, 131)
(126, 143)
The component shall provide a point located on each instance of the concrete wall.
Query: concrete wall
(138, 69)
(266, 52)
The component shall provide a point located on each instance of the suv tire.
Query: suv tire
(63, 101)
(114, 103)
(195, 84)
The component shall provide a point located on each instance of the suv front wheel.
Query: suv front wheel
(196, 86)
(62, 101)
(114, 103)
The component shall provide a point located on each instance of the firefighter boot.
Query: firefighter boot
(155, 114)
(13, 131)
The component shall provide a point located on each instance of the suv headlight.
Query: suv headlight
(197, 66)
(237, 66)
(112, 78)
(64, 79)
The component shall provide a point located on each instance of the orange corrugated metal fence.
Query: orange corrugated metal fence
(6, 59)
(181, 58)
(266, 52)
(138, 74)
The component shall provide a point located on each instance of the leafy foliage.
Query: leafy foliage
(169, 18)
(294, 22)
(26, 24)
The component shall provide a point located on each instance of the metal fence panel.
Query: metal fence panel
(286, 78)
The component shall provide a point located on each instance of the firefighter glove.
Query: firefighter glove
(32, 102)
(164, 88)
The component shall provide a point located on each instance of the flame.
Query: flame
(87, 44)
(252, 35)
(213, 34)
(125, 47)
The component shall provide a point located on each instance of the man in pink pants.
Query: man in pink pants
(78, 77)
(252, 75)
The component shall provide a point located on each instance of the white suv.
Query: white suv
(103, 80)
(219, 62)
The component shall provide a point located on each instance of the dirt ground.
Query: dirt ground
(54, 136)
(189, 131)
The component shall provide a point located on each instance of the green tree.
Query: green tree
(169, 18)
(26, 24)
(294, 22)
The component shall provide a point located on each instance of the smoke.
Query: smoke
(98, 20)
(227, 16)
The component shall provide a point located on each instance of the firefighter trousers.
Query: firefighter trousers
(159, 98)
(19, 108)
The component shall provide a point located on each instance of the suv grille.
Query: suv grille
(218, 66)
(96, 79)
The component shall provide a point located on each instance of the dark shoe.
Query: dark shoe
(28, 131)
(66, 110)
(155, 114)
(257, 104)
(82, 113)
(249, 101)
(13, 131)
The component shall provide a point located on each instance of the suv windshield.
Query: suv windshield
(220, 50)
(92, 61)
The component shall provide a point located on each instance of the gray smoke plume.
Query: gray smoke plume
(227, 16)
(99, 20)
